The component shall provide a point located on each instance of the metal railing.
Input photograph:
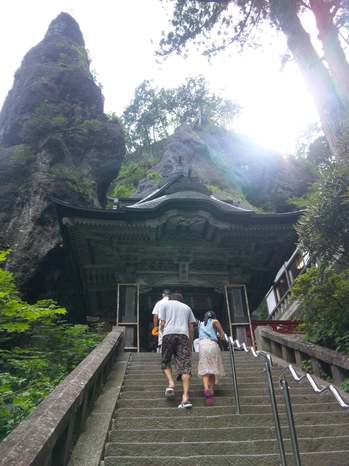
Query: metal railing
(268, 364)
(233, 372)
(318, 389)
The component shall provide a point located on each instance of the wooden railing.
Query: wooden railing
(293, 349)
(46, 437)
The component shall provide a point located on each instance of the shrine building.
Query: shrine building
(220, 256)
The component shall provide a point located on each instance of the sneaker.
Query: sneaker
(169, 393)
(185, 405)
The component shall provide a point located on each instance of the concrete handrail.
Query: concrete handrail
(294, 350)
(46, 437)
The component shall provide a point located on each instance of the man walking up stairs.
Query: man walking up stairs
(149, 430)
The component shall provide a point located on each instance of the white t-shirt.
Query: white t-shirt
(157, 306)
(177, 317)
(156, 311)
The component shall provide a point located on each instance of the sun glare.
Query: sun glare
(278, 112)
(276, 105)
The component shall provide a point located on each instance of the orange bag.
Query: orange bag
(155, 331)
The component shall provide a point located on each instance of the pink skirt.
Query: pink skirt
(210, 359)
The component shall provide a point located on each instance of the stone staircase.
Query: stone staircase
(149, 430)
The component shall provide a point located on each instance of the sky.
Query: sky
(122, 35)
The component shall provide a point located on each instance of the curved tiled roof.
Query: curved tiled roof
(156, 202)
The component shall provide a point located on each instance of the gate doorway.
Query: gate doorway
(135, 306)
(199, 299)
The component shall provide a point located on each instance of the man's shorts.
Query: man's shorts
(176, 345)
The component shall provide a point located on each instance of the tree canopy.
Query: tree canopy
(325, 298)
(154, 113)
(323, 229)
(213, 25)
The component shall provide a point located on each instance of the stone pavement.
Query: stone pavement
(149, 430)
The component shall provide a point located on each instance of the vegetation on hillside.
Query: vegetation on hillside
(154, 113)
(37, 350)
(235, 168)
(137, 166)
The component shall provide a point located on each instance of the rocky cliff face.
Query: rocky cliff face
(55, 141)
(231, 166)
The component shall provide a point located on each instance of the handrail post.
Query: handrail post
(290, 419)
(268, 365)
(275, 412)
(233, 373)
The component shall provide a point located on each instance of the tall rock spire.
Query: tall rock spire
(54, 73)
(55, 141)
(65, 26)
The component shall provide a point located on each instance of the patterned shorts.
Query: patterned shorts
(176, 345)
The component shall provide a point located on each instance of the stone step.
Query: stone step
(189, 420)
(195, 354)
(154, 364)
(243, 371)
(240, 447)
(223, 433)
(157, 368)
(218, 410)
(160, 381)
(226, 362)
(162, 402)
(160, 378)
(142, 431)
(157, 391)
(195, 358)
(337, 458)
(239, 370)
(224, 384)
(159, 375)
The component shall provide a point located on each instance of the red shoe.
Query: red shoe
(209, 394)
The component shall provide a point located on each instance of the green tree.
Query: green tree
(214, 25)
(194, 103)
(323, 229)
(154, 113)
(17, 317)
(324, 295)
(37, 350)
(144, 119)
